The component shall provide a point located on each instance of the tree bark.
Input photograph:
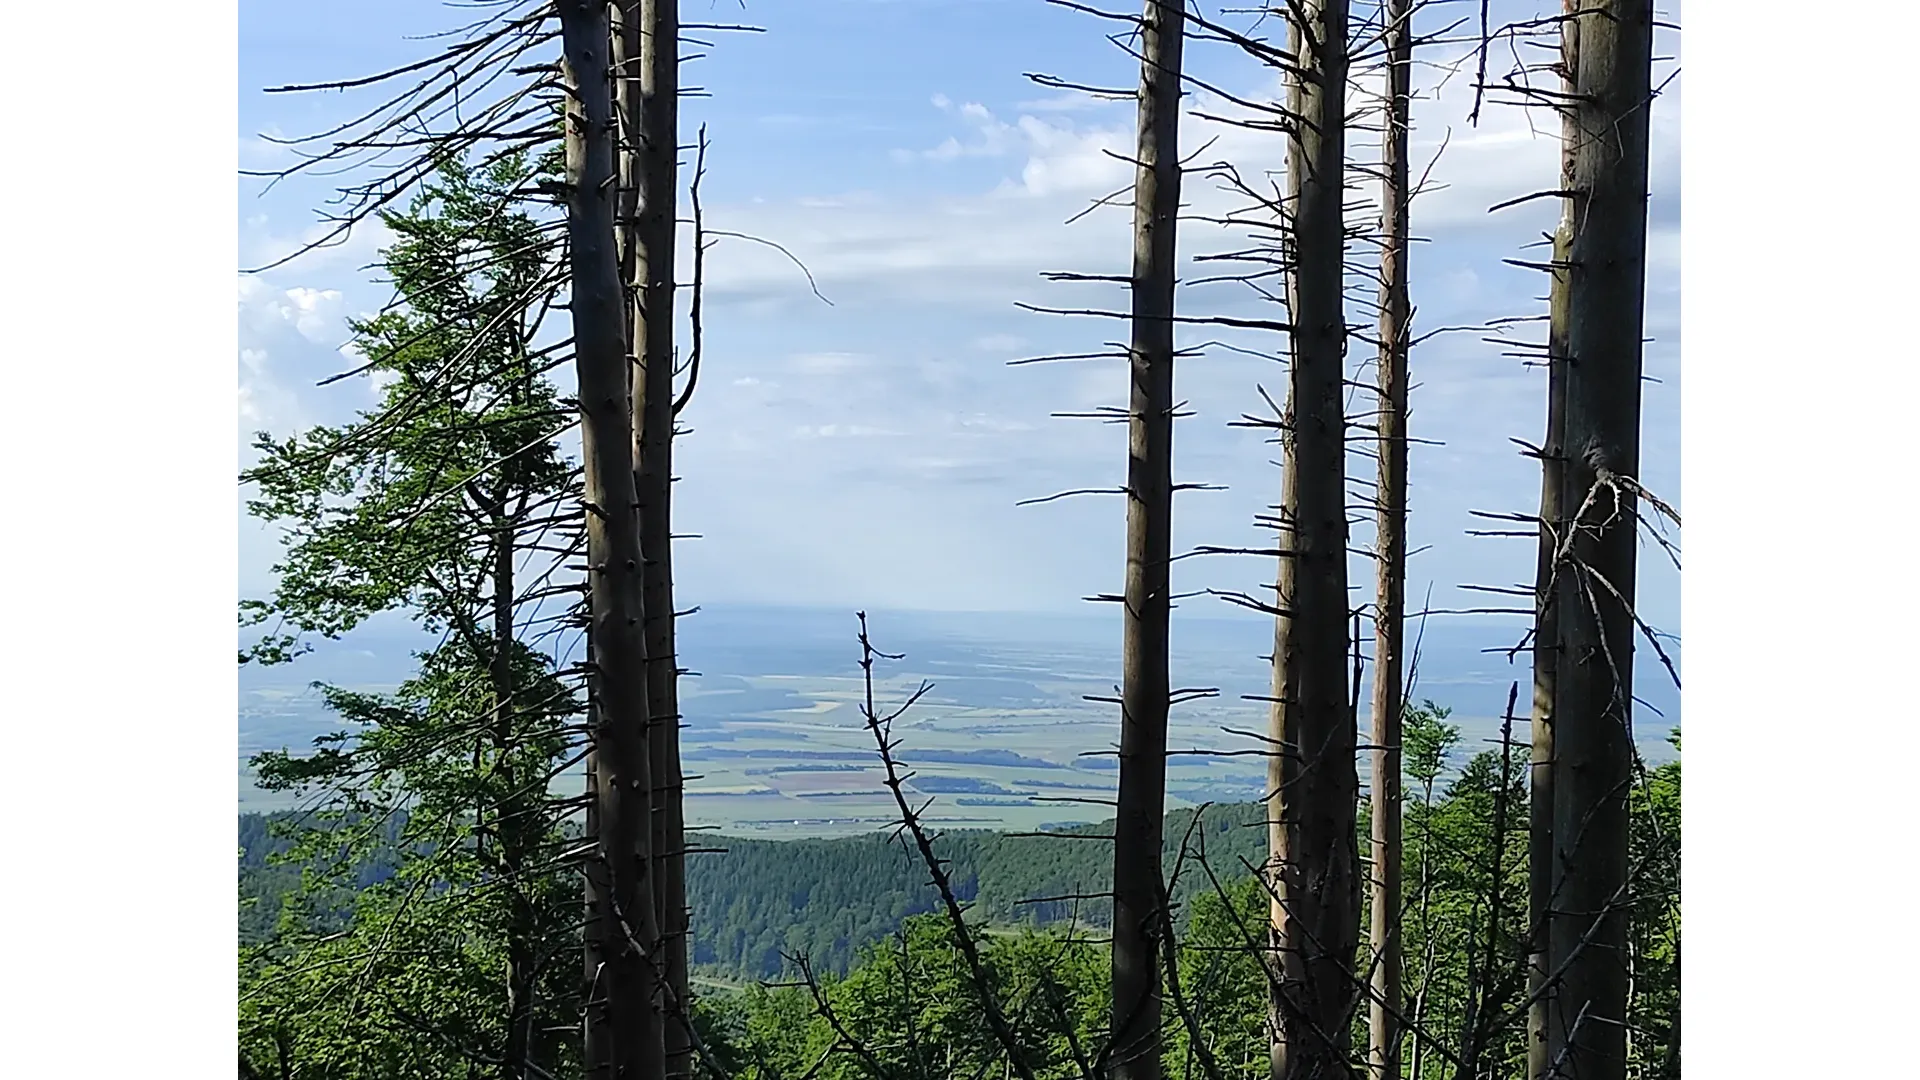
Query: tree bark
(1594, 584)
(623, 1033)
(1313, 778)
(1546, 633)
(1139, 889)
(1390, 601)
(625, 31)
(653, 345)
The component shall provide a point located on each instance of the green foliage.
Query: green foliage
(904, 995)
(1464, 918)
(907, 1008)
(1653, 943)
(910, 1009)
(1465, 921)
(410, 990)
(397, 508)
(1426, 741)
(1222, 979)
(430, 888)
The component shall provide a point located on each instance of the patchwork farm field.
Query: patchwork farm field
(1007, 738)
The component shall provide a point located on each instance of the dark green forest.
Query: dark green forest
(843, 907)
(758, 901)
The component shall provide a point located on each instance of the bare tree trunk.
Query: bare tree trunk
(1546, 633)
(1390, 601)
(658, 29)
(623, 1036)
(1594, 582)
(1312, 777)
(596, 1029)
(1139, 889)
(625, 39)
(1546, 651)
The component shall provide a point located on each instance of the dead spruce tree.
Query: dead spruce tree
(654, 409)
(1138, 884)
(1594, 571)
(1546, 643)
(1312, 780)
(623, 1024)
(647, 65)
(1384, 1030)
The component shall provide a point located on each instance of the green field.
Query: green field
(811, 767)
(1006, 740)
(782, 755)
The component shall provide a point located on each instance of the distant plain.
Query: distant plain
(1006, 739)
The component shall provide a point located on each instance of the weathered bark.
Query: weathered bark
(1390, 550)
(625, 41)
(1313, 778)
(1139, 889)
(658, 29)
(1546, 634)
(1593, 584)
(623, 1031)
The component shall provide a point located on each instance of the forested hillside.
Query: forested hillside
(756, 902)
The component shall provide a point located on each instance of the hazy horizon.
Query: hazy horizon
(771, 689)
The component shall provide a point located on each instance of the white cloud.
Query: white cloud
(841, 431)
(314, 312)
(886, 438)
(930, 283)
(986, 247)
(1063, 103)
(999, 343)
(828, 363)
(253, 413)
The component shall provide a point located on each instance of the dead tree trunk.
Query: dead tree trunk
(1546, 634)
(1594, 576)
(1139, 888)
(1313, 780)
(622, 1030)
(658, 55)
(1383, 1028)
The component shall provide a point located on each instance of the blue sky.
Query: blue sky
(871, 452)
